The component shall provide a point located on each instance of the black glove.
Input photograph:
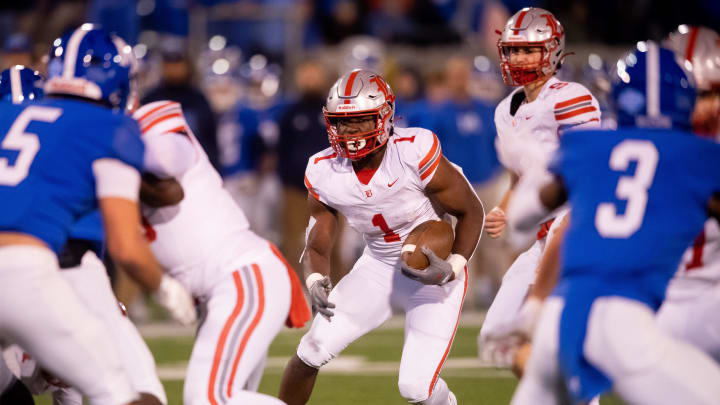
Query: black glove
(319, 291)
(438, 272)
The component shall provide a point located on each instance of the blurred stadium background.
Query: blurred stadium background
(252, 76)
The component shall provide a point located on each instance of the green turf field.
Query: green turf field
(366, 373)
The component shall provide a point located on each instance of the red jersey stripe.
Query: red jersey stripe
(223, 337)
(559, 117)
(431, 153)
(317, 159)
(431, 169)
(572, 101)
(251, 328)
(310, 189)
(152, 111)
(147, 127)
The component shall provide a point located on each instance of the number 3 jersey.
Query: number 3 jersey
(637, 203)
(46, 163)
(393, 202)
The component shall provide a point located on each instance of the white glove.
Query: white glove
(500, 345)
(176, 299)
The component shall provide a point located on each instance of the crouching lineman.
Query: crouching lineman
(693, 296)
(385, 181)
(598, 329)
(75, 152)
(245, 288)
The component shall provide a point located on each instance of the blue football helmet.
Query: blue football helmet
(88, 62)
(18, 84)
(650, 90)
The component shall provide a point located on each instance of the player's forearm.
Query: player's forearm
(509, 192)
(139, 263)
(316, 262)
(549, 265)
(468, 228)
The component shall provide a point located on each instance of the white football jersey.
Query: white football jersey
(207, 228)
(529, 137)
(700, 266)
(393, 202)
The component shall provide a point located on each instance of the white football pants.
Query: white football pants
(243, 313)
(364, 299)
(40, 312)
(623, 341)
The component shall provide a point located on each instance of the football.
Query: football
(438, 236)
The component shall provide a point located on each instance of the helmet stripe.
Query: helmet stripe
(652, 86)
(15, 86)
(694, 31)
(349, 85)
(519, 21)
(71, 50)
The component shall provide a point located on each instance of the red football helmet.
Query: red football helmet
(531, 27)
(357, 94)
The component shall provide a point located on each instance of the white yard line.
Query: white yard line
(172, 329)
(358, 365)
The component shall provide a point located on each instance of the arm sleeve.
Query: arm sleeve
(168, 155)
(576, 108)
(114, 178)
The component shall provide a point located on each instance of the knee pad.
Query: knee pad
(413, 391)
(312, 353)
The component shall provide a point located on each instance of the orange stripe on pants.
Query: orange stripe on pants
(251, 328)
(223, 337)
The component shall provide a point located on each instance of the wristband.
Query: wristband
(312, 278)
(408, 248)
(457, 262)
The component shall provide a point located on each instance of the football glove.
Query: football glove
(438, 272)
(319, 287)
(176, 299)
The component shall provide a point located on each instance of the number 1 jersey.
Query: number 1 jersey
(393, 202)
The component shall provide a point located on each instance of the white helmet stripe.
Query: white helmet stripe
(15, 86)
(652, 86)
(71, 50)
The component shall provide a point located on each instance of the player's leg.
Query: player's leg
(40, 312)
(254, 398)
(362, 303)
(647, 366)
(92, 286)
(541, 383)
(694, 321)
(431, 319)
(244, 313)
(513, 290)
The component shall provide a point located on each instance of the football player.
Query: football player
(530, 123)
(385, 181)
(245, 288)
(66, 156)
(598, 329)
(693, 295)
(86, 274)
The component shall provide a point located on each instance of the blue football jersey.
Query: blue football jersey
(638, 198)
(90, 228)
(46, 154)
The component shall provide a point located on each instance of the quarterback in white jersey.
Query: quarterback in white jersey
(529, 123)
(693, 296)
(385, 181)
(245, 288)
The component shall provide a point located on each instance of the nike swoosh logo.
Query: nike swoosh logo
(391, 184)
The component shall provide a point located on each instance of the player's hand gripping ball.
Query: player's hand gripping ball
(437, 236)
